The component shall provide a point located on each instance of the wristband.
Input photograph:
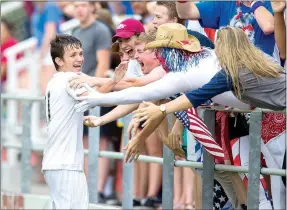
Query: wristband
(181, 2)
(255, 5)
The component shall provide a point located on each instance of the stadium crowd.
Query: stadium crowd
(145, 68)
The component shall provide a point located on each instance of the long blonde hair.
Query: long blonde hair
(235, 52)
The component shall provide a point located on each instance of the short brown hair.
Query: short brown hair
(60, 43)
(171, 8)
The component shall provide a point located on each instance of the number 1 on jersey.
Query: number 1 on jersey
(48, 113)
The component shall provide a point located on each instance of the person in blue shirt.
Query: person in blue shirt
(46, 21)
(45, 24)
(255, 18)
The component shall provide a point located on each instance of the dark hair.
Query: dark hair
(60, 43)
(8, 25)
(171, 8)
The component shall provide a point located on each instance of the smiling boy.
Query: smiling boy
(62, 164)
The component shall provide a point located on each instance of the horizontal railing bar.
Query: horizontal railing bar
(178, 163)
(241, 110)
(183, 163)
(21, 97)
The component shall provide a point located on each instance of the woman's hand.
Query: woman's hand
(93, 121)
(175, 136)
(149, 113)
(120, 71)
(133, 128)
(133, 149)
(174, 139)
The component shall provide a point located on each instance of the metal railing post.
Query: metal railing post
(208, 165)
(93, 165)
(128, 172)
(168, 173)
(254, 159)
(26, 149)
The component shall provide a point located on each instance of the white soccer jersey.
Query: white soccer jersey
(64, 149)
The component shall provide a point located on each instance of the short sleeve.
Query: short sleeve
(268, 6)
(53, 13)
(104, 40)
(209, 14)
(75, 93)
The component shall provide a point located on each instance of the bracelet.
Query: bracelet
(255, 5)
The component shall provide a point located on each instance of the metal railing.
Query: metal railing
(254, 169)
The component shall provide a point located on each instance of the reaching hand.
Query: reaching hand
(148, 114)
(174, 141)
(133, 149)
(278, 5)
(93, 121)
(79, 81)
(133, 128)
(175, 136)
(120, 71)
(86, 101)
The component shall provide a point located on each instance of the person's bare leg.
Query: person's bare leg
(143, 178)
(188, 177)
(178, 187)
(154, 149)
(104, 165)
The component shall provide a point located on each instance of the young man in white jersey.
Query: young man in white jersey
(62, 164)
(63, 156)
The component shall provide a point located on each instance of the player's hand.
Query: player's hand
(79, 81)
(93, 121)
(278, 5)
(120, 71)
(133, 149)
(133, 128)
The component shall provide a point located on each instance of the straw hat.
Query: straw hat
(174, 35)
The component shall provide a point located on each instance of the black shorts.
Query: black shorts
(108, 130)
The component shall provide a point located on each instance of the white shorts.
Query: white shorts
(68, 189)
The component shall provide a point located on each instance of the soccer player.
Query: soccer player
(64, 154)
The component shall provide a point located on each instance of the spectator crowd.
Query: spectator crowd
(113, 48)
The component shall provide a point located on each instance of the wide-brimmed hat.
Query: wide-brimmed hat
(174, 35)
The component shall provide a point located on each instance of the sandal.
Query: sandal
(189, 206)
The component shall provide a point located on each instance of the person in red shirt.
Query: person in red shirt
(7, 40)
